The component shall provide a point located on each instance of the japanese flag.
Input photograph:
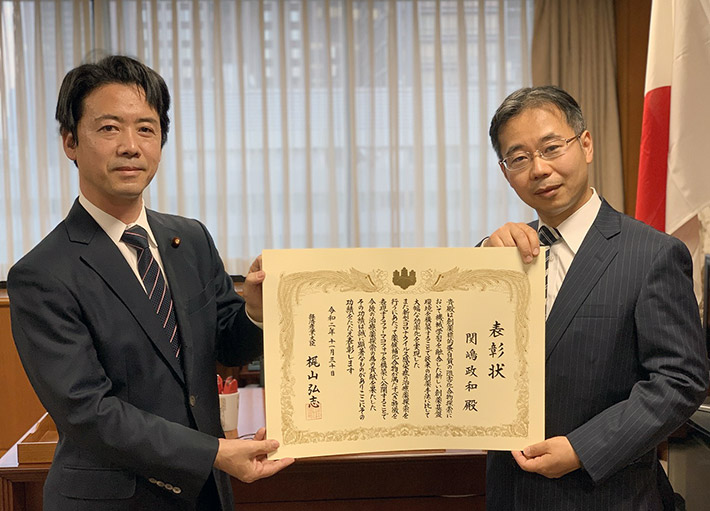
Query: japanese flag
(674, 166)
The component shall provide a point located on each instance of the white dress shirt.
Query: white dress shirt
(115, 227)
(573, 231)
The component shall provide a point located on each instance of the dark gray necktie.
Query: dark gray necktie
(548, 237)
(155, 286)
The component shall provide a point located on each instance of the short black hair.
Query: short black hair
(532, 97)
(84, 79)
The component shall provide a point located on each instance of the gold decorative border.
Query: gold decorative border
(293, 286)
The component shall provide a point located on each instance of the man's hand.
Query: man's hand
(519, 235)
(246, 459)
(551, 458)
(252, 291)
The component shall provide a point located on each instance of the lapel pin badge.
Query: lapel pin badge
(175, 242)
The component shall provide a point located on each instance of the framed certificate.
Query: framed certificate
(371, 350)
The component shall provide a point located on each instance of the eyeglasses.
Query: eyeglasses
(522, 160)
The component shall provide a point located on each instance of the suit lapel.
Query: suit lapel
(174, 264)
(597, 251)
(108, 262)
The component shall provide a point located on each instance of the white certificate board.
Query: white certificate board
(372, 350)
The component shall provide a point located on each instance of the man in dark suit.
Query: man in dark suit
(120, 313)
(625, 359)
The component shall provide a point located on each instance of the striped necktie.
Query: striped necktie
(154, 283)
(548, 237)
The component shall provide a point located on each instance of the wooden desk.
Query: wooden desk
(21, 485)
(451, 481)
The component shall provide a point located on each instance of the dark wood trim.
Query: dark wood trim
(344, 478)
(632, 25)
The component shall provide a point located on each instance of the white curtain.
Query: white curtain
(298, 123)
(575, 47)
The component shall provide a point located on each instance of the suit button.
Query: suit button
(177, 490)
(193, 400)
(160, 484)
(152, 480)
(168, 486)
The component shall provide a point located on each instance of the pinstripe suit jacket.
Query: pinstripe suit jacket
(625, 366)
(129, 415)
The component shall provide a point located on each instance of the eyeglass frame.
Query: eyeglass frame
(567, 142)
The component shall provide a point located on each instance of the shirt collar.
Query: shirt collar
(112, 225)
(575, 228)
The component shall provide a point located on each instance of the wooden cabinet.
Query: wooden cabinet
(21, 484)
(449, 481)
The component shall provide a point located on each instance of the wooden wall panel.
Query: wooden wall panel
(19, 406)
(632, 23)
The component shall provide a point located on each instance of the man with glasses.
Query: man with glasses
(625, 359)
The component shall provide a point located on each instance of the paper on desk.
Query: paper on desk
(370, 350)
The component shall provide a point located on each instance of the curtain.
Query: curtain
(39, 43)
(294, 124)
(574, 47)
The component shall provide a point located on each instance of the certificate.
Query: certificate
(371, 350)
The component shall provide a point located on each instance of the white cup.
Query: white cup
(229, 413)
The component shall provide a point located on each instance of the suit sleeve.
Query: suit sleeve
(57, 351)
(672, 354)
(239, 340)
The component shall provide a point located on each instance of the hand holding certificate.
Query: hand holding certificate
(370, 350)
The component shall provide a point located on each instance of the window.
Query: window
(376, 135)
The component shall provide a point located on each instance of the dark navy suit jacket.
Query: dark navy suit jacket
(626, 365)
(137, 429)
